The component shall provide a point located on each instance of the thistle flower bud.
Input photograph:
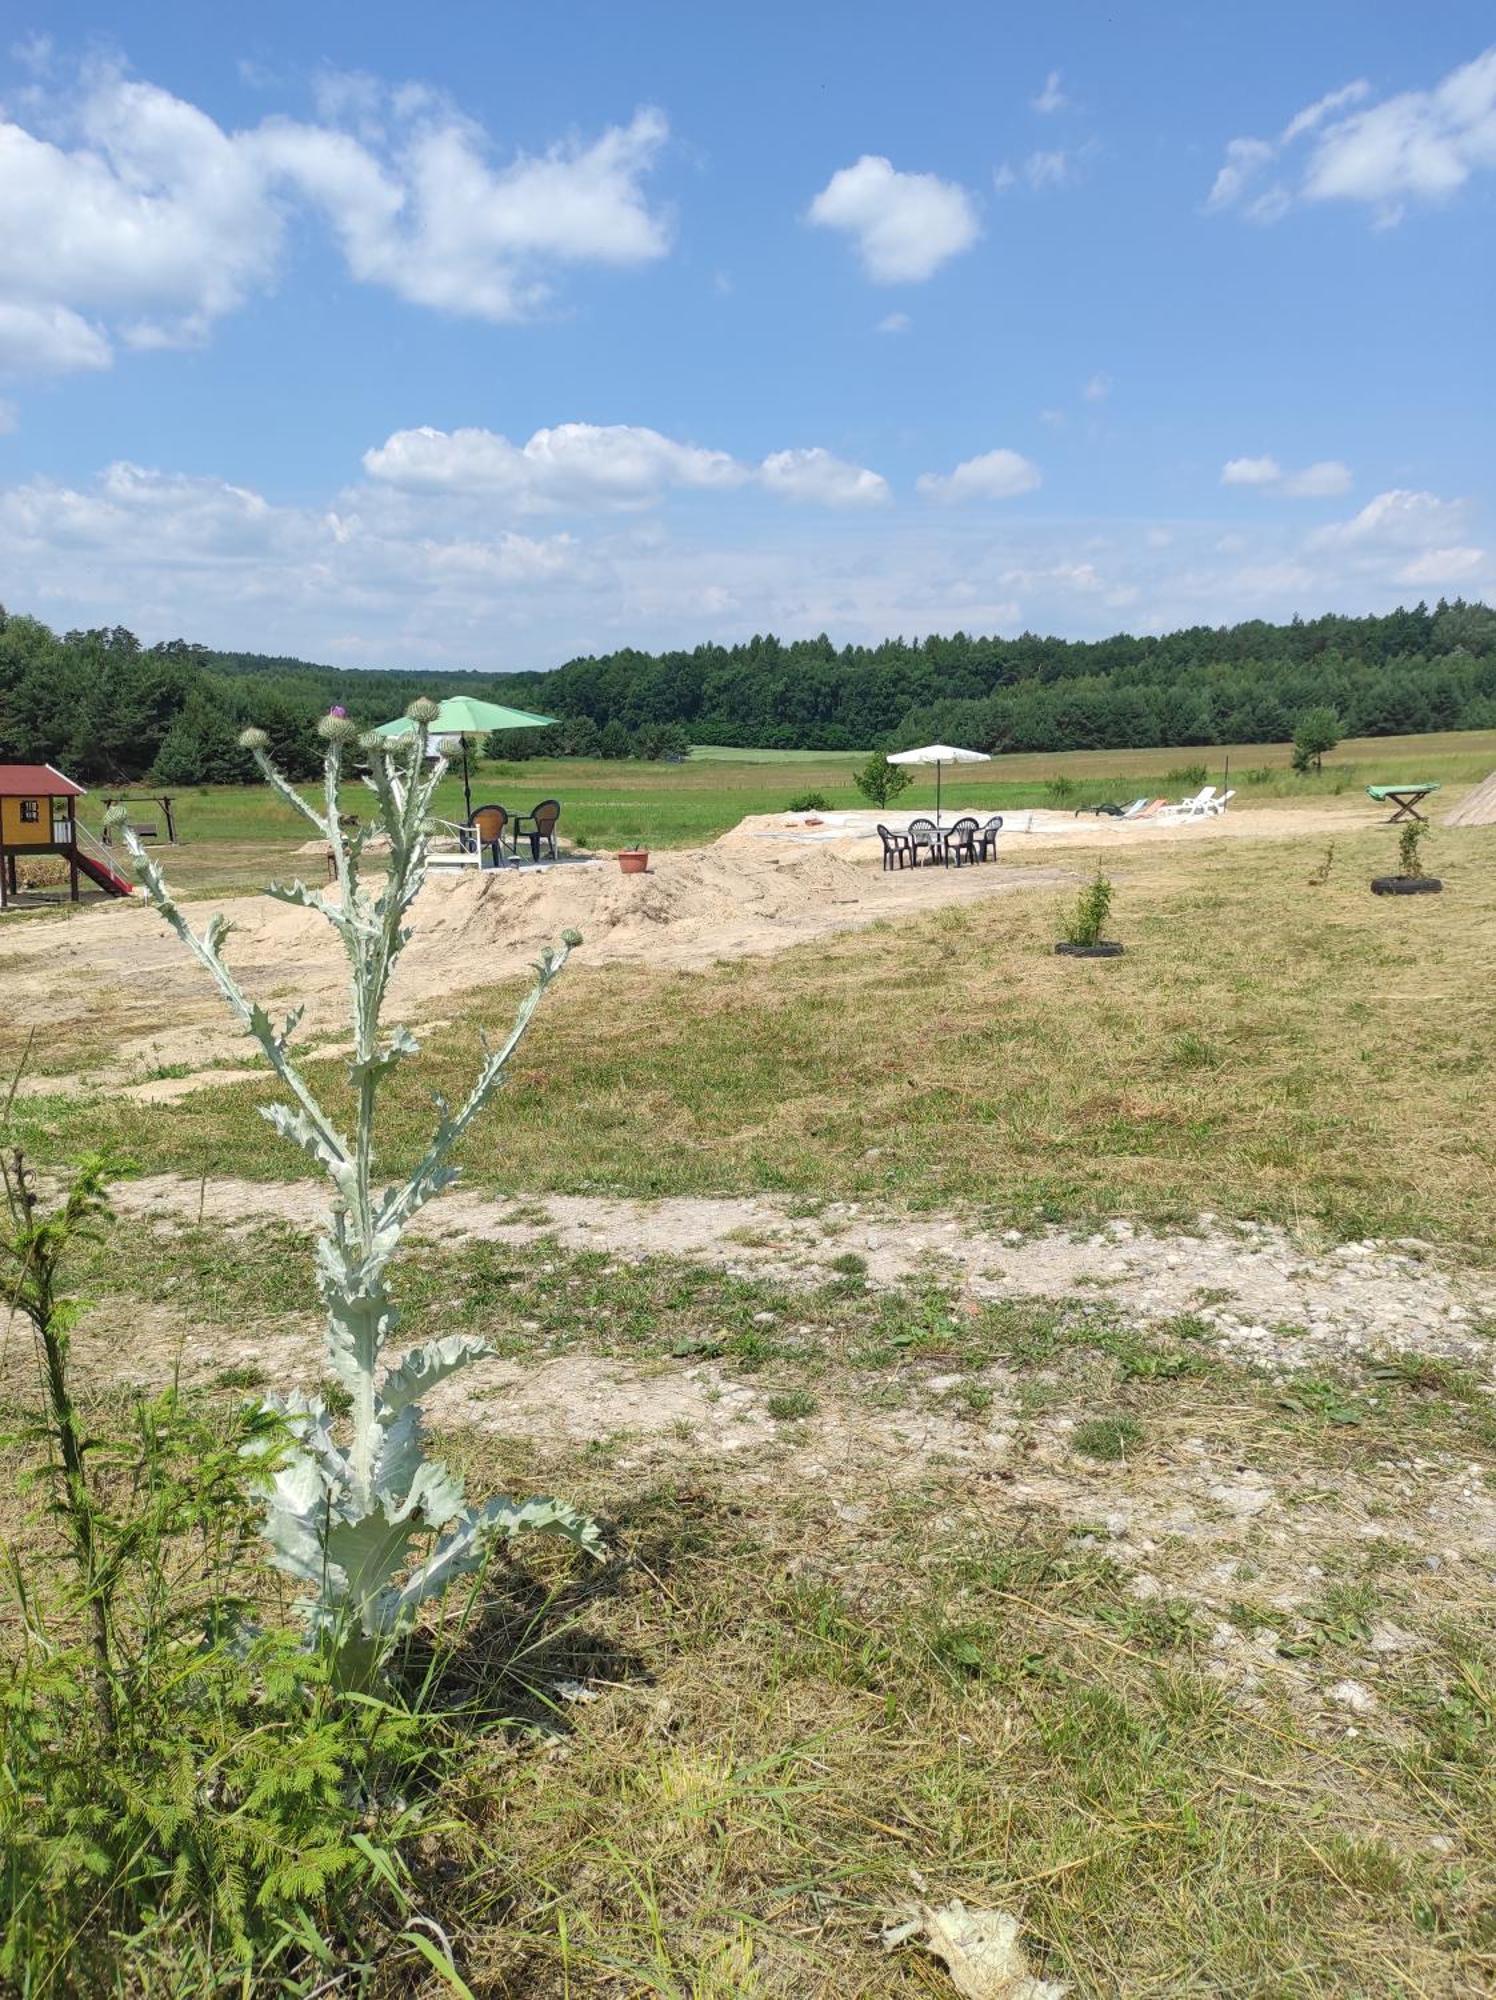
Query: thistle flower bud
(571, 938)
(253, 739)
(337, 728)
(372, 743)
(423, 709)
(116, 817)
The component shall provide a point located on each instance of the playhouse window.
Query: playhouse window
(31, 812)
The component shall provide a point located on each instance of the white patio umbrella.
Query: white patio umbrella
(939, 754)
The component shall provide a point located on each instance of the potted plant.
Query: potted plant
(635, 859)
(1083, 925)
(1410, 879)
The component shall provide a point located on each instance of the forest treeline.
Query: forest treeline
(102, 706)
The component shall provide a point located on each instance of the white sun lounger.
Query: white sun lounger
(1192, 808)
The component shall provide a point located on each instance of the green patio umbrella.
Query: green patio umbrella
(464, 715)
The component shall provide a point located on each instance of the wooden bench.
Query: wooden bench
(147, 830)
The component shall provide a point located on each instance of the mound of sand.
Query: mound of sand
(692, 907)
(1477, 807)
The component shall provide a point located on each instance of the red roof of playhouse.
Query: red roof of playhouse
(29, 781)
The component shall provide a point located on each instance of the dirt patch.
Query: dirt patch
(1256, 1292)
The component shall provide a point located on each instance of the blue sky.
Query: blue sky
(487, 334)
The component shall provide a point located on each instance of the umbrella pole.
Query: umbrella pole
(937, 797)
(467, 790)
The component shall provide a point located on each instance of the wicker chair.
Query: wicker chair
(485, 832)
(961, 843)
(896, 848)
(923, 840)
(540, 827)
(987, 838)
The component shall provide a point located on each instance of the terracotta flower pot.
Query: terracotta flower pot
(633, 860)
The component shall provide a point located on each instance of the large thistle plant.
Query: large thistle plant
(354, 1506)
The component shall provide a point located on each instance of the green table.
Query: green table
(1407, 799)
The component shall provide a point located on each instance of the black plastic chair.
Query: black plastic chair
(987, 838)
(961, 843)
(896, 848)
(923, 840)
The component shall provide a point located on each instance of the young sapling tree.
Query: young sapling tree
(1087, 917)
(881, 782)
(353, 1509)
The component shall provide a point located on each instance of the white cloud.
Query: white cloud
(569, 465)
(1051, 98)
(894, 323)
(996, 475)
(1416, 146)
(1098, 388)
(816, 475)
(131, 216)
(1397, 519)
(1315, 114)
(48, 340)
(376, 574)
(905, 226)
(1251, 472)
(1047, 169)
(1444, 566)
(1326, 477)
(603, 468)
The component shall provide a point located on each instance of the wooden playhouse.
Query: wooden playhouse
(38, 815)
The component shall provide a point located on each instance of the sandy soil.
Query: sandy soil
(119, 965)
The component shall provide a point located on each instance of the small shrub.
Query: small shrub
(1092, 907)
(1260, 774)
(1061, 791)
(1106, 1438)
(1320, 875)
(809, 802)
(1187, 774)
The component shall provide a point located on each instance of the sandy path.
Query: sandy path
(1263, 1296)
